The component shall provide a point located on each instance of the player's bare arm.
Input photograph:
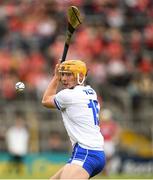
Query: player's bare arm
(48, 97)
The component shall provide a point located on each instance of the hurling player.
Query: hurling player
(80, 111)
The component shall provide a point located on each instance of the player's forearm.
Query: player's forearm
(51, 89)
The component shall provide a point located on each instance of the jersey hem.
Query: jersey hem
(91, 148)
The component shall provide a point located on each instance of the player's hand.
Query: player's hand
(56, 71)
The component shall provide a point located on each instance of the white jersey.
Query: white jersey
(80, 112)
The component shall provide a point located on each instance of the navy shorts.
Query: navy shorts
(92, 161)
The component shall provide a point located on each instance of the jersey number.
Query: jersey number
(93, 105)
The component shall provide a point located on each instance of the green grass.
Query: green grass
(123, 176)
(39, 173)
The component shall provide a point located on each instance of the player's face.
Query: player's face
(68, 80)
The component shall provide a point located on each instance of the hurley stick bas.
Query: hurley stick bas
(74, 20)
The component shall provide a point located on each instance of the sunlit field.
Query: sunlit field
(41, 174)
(122, 176)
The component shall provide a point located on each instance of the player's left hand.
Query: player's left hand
(56, 71)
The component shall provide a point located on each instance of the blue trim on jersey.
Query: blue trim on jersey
(93, 161)
(57, 104)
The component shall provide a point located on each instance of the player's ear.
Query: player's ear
(81, 76)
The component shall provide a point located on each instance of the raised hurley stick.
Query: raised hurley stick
(74, 20)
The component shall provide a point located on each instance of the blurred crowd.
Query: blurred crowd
(115, 40)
